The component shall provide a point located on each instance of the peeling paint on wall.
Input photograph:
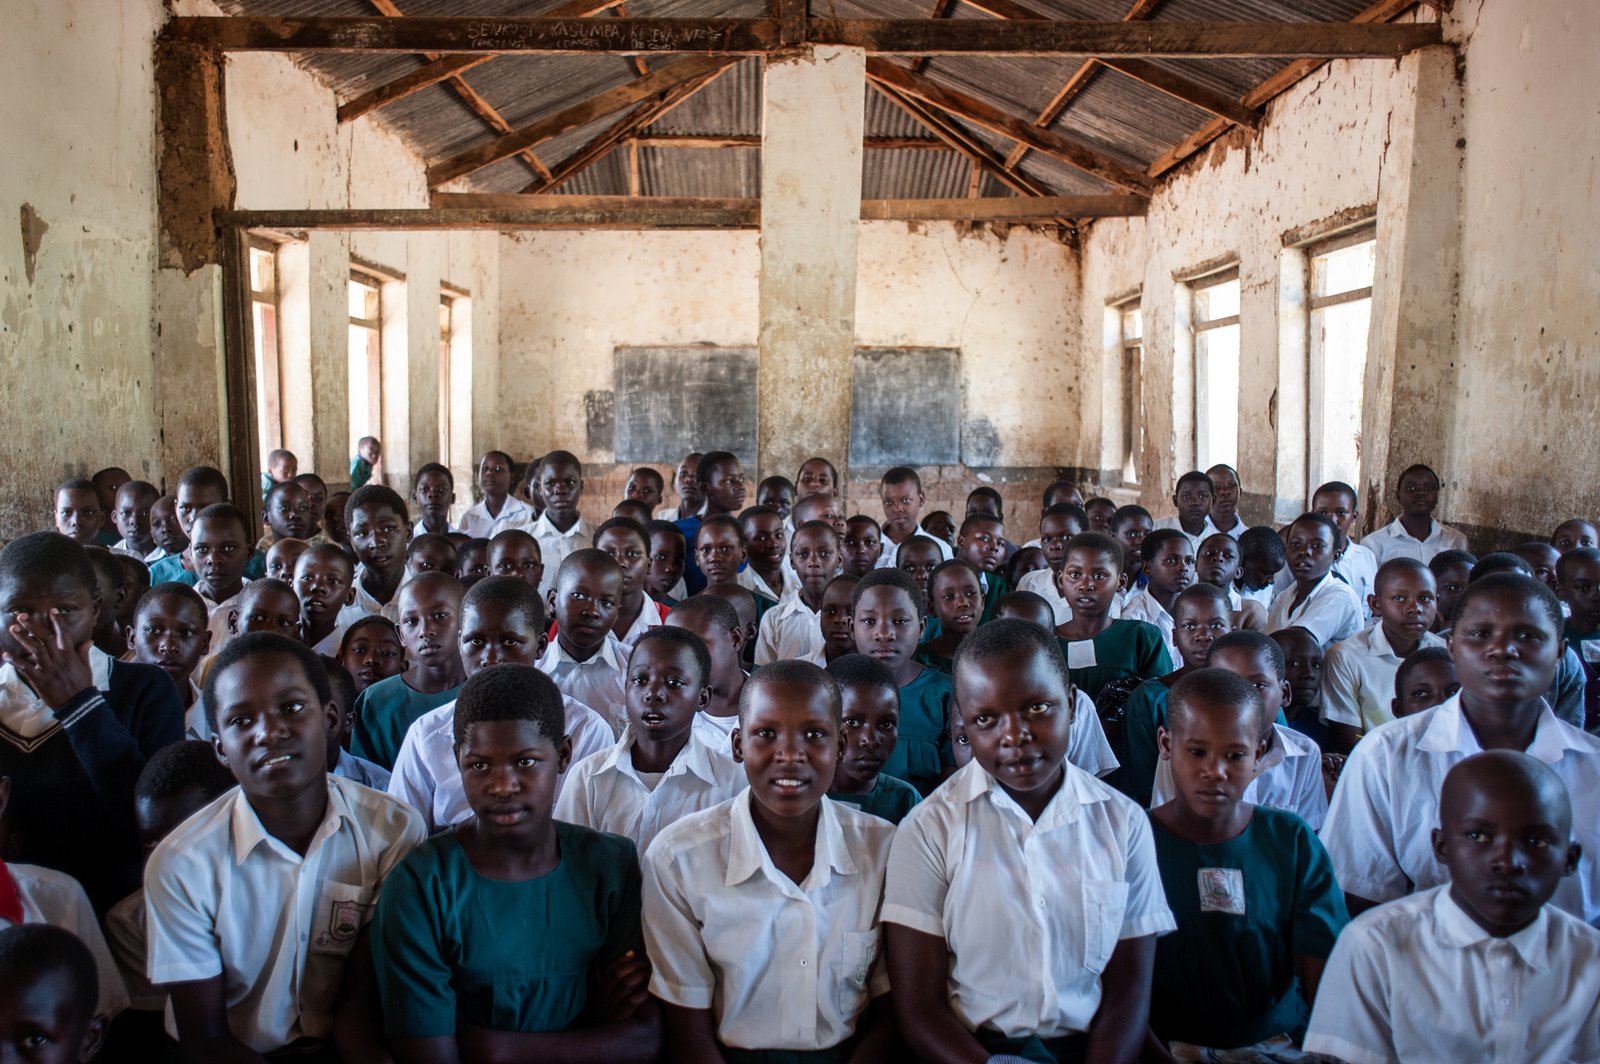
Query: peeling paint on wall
(33, 230)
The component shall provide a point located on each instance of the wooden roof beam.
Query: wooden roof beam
(961, 141)
(752, 140)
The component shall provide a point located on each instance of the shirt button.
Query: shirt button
(1505, 1001)
(803, 964)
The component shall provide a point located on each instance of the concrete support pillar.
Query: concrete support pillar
(810, 214)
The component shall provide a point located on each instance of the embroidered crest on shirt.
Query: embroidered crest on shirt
(344, 924)
(1222, 891)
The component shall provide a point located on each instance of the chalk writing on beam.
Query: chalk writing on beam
(591, 34)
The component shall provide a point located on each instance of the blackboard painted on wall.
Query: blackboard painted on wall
(905, 406)
(670, 401)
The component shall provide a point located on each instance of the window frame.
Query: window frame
(1196, 284)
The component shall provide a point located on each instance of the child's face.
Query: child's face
(1406, 603)
(283, 469)
(510, 771)
(1506, 648)
(1131, 536)
(1088, 581)
(371, 450)
(957, 600)
(112, 590)
(164, 527)
(171, 633)
(941, 526)
(220, 552)
(1016, 710)
(374, 653)
(824, 506)
(472, 563)
(724, 486)
(871, 726)
(325, 583)
(815, 557)
(629, 552)
(289, 514)
(1213, 754)
(1572, 534)
(283, 556)
(1309, 551)
(1100, 512)
(430, 621)
(78, 514)
(983, 546)
(1193, 501)
(494, 475)
(1196, 624)
(725, 644)
(1542, 559)
(666, 562)
(815, 478)
(1055, 531)
(1064, 493)
(1419, 493)
(790, 746)
(664, 691)
(493, 633)
(960, 749)
(982, 504)
(317, 492)
(645, 489)
(1256, 667)
(1224, 490)
(902, 505)
(434, 556)
(517, 557)
(887, 626)
(1172, 569)
(1451, 583)
(190, 500)
(838, 629)
(1426, 685)
(779, 496)
(1028, 560)
(561, 486)
(862, 548)
(688, 487)
(719, 552)
(434, 496)
(1302, 666)
(918, 561)
(1338, 505)
(272, 729)
(132, 517)
(135, 581)
(333, 517)
(41, 1023)
(1258, 571)
(1580, 590)
(765, 541)
(1218, 564)
(379, 536)
(156, 818)
(585, 604)
(269, 610)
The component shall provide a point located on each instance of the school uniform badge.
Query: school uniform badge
(1222, 891)
(344, 924)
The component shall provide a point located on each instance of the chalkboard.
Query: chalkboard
(670, 401)
(905, 406)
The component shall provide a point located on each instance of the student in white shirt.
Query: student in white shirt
(47, 979)
(1023, 897)
(585, 660)
(255, 904)
(499, 509)
(560, 530)
(1415, 534)
(628, 544)
(691, 499)
(1224, 513)
(1358, 565)
(1506, 644)
(1483, 968)
(132, 518)
(793, 628)
(433, 489)
(761, 913)
(1317, 601)
(1057, 525)
(901, 491)
(662, 769)
(1358, 673)
(1169, 568)
(1192, 498)
(30, 894)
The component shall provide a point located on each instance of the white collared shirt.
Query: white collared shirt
(650, 616)
(365, 604)
(555, 545)
(891, 549)
(1288, 778)
(427, 776)
(477, 522)
(1142, 606)
(329, 646)
(791, 629)
(1042, 582)
(755, 583)
(1195, 539)
(781, 965)
(361, 771)
(1031, 912)
(1330, 612)
(605, 792)
(1087, 745)
(717, 732)
(597, 683)
(217, 618)
(1359, 567)
(1393, 541)
(1387, 804)
(25, 715)
(55, 898)
(155, 555)
(1358, 678)
(223, 897)
(1419, 980)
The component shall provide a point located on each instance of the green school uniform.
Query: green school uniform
(360, 472)
(1245, 909)
(926, 655)
(1143, 713)
(453, 947)
(383, 713)
(923, 751)
(171, 568)
(108, 537)
(997, 590)
(890, 798)
(1127, 648)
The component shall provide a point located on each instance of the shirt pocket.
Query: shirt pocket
(343, 909)
(857, 952)
(1105, 901)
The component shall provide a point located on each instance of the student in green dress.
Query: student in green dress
(1026, 606)
(956, 601)
(871, 726)
(918, 557)
(981, 543)
(1252, 888)
(430, 626)
(889, 617)
(1201, 614)
(513, 935)
(1097, 648)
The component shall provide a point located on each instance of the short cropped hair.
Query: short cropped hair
(587, 556)
(189, 765)
(1194, 476)
(861, 519)
(141, 489)
(1573, 557)
(374, 620)
(558, 458)
(987, 492)
(1339, 487)
(257, 644)
(430, 469)
(1055, 487)
(1261, 543)
(664, 528)
(428, 539)
(971, 521)
(887, 577)
(722, 521)
(717, 611)
(1418, 468)
(172, 589)
(305, 478)
(1006, 636)
(37, 949)
(1150, 549)
(520, 598)
(792, 671)
(1068, 509)
(1395, 566)
(1099, 543)
(342, 683)
(1202, 591)
(1124, 514)
(1024, 600)
(47, 554)
(627, 524)
(1524, 585)
(1311, 517)
(899, 475)
(649, 474)
(204, 476)
(682, 637)
(1420, 656)
(1214, 686)
(1255, 642)
(1499, 561)
(862, 670)
(278, 454)
(374, 497)
(813, 526)
(754, 511)
(708, 464)
(225, 511)
(774, 481)
(833, 474)
(75, 484)
(510, 693)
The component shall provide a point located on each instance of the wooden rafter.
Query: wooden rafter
(960, 140)
(751, 140)
(1189, 91)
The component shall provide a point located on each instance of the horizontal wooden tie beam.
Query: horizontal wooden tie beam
(751, 140)
(725, 36)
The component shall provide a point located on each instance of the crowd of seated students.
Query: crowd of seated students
(438, 779)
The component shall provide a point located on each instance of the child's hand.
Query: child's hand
(55, 670)
(622, 987)
(1332, 765)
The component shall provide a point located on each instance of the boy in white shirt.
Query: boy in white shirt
(560, 529)
(499, 509)
(585, 659)
(1358, 673)
(792, 628)
(1169, 568)
(1518, 979)
(1358, 565)
(1415, 534)
(1023, 897)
